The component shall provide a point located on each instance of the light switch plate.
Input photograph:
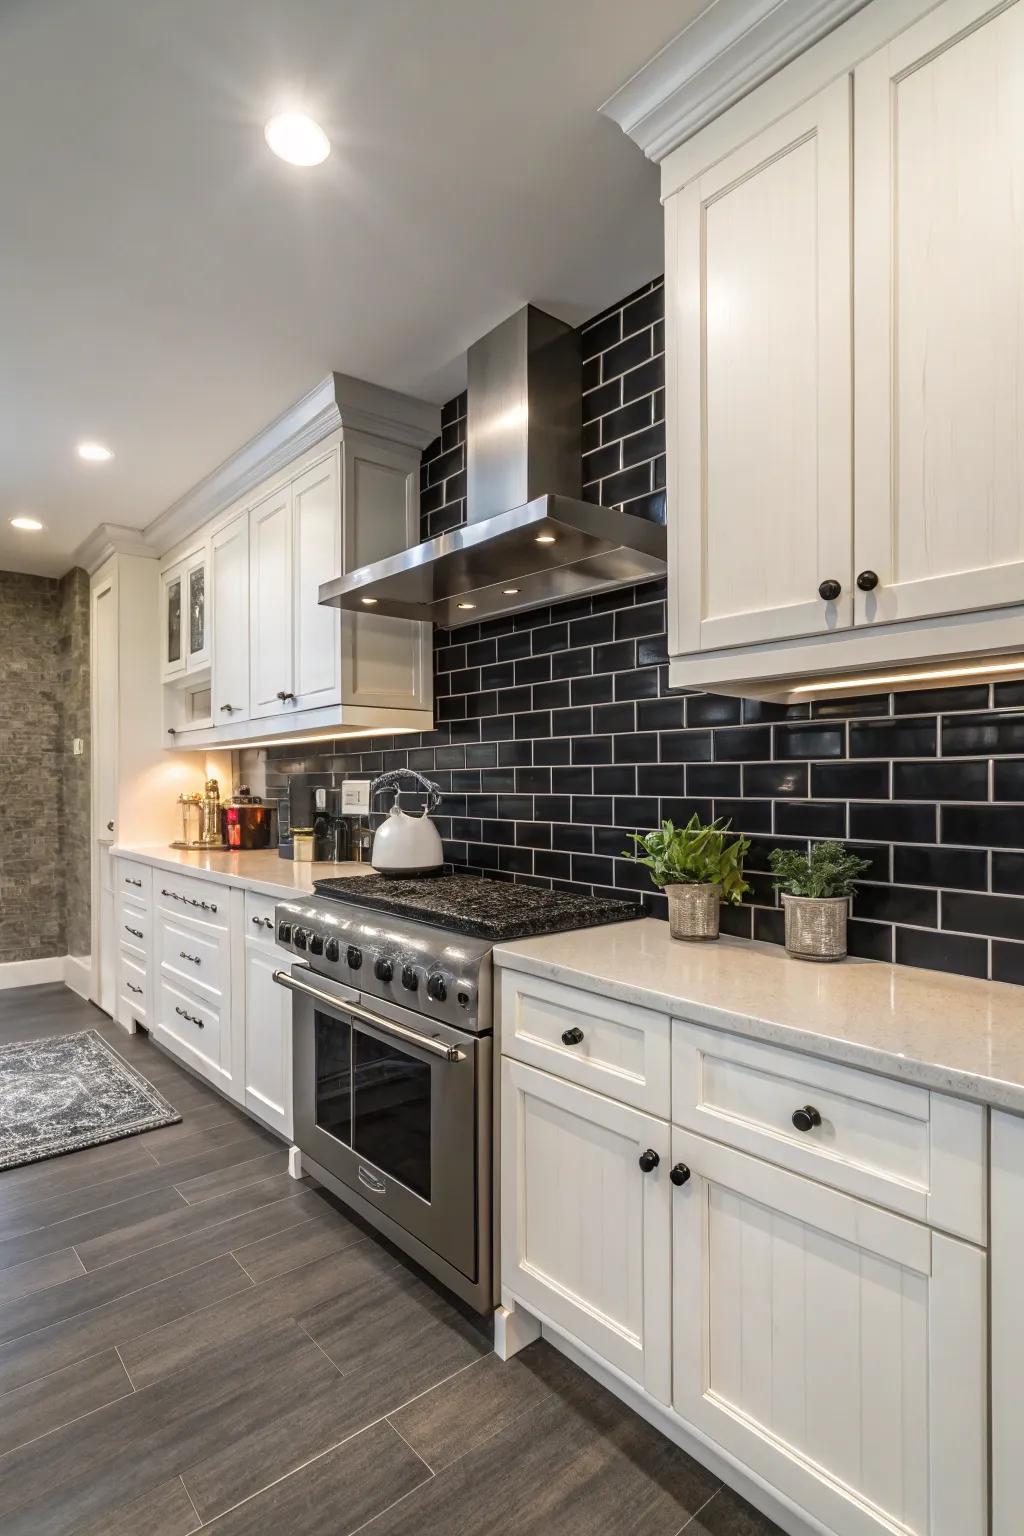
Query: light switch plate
(78, 746)
(355, 797)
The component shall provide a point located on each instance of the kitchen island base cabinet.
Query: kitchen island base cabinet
(585, 1231)
(836, 1349)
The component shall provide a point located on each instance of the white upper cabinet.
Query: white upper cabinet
(759, 384)
(270, 606)
(845, 357)
(173, 658)
(939, 304)
(184, 616)
(316, 557)
(229, 592)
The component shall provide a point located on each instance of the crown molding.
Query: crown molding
(338, 401)
(722, 55)
(110, 539)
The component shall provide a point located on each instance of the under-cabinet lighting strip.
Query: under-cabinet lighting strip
(935, 674)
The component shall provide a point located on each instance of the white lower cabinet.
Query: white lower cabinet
(585, 1231)
(268, 1038)
(836, 1349)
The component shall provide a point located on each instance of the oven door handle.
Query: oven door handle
(388, 1026)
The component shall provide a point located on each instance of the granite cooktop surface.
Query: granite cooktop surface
(479, 908)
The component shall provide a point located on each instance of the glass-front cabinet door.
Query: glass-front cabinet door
(173, 658)
(198, 612)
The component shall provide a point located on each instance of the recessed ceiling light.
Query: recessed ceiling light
(509, 591)
(545, 538)
(296, 138)
(93, 453)
(369, 601)
(29, 524)
(466, 605)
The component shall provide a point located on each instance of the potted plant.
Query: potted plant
(816, 893)
(697, 869)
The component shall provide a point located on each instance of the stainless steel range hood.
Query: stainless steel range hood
(530, 538)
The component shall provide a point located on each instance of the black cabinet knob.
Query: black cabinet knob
(572, 1036)
(383, 969)
(828, 591)
(867, 581)
(807, 1118)
(649, 1160)
(680, 1174)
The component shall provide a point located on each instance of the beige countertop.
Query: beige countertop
(258, 870)
(952, 1033)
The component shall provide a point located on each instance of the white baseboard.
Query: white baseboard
(30, 973)
(78, 974)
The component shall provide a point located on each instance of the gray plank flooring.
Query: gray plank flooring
(190, 1340)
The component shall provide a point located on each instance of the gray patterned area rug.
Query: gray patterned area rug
(73, 1091)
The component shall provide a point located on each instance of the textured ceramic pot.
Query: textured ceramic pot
(816, 926)
(693, 911)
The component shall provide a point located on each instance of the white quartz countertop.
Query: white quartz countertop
(951, 1033)
(261, 869)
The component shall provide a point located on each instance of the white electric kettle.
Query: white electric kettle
(403, 844)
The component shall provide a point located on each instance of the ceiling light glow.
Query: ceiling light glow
(296, 138)
(93, 453)
(28, 524)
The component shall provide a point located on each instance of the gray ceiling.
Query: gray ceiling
(167, 286)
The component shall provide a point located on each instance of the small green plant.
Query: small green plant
(830, 871)
(694, 855)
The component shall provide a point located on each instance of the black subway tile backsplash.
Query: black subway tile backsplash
(557, 733)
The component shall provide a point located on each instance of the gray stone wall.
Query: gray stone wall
(73, 688)
(44, 791)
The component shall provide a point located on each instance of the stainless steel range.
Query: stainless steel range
(393, 1052)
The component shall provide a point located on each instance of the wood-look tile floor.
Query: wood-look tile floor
(190, 1339)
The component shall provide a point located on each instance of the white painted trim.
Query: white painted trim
(78, 974)
(1007, 1366)
(728, 50)
(31, 973)
(337, 401)
(332, 722)
(109, 539)
(514, 1328)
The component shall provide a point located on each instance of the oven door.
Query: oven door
(387, 1102)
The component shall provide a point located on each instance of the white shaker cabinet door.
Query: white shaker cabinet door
(585, 1231)
(229, 581)
(939, 304)
(836, 1349)
(268, 1039)
(316, 551)
(270, 605)
(759, 389)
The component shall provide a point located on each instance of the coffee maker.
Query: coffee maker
(317, 807)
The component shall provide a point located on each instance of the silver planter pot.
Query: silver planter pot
(693, 911)
(816, 926)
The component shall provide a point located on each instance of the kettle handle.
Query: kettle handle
(393, 779)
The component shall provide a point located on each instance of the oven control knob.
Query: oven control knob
(332, 950)
(410, 981)
(383, 969)
(299, 937)
(354, 957)
(316, 943)
(284, 933)
(437, 987)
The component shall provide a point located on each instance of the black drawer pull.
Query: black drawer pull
(195, 959)
(138, 933)
(129, 881)
(806, 1118)
(572, 1037)
(649, 1160)
(133, 988)
(192, 1018)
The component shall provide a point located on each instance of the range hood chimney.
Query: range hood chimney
(530, 539)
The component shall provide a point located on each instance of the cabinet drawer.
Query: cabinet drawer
(259, 917)
(919, 1153)
(201, 899)
(193, 954)
(133, 926)
(190, 1021)
(135, 880)
(612, 1047)
(132, 984)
